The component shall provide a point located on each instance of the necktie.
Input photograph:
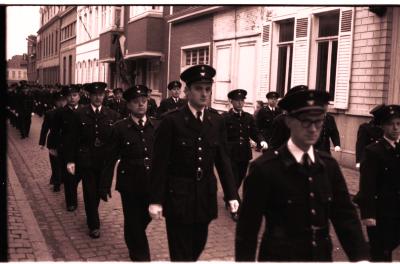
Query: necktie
(306, 161)
(141, 123)
(97, 111)
(198, 116)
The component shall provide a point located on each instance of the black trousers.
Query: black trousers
(239, 169)
(383, 239)
(70, 184)
(186, 241)
(136, 220)
(25, 124)
(90, 185)
(56, 170)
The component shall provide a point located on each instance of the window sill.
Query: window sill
(146, 14)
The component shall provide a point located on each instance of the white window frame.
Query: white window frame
(315, 40)
(199, 46)
(139, 12)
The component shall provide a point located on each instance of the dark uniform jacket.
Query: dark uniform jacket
(240, 128)
(92, 135)
(169, 104)
(367, 133)
(47, 131)
(134, 147)
(25, 106)
(119, 107)
(264, 120)
(151, 108)
(380, 182)
(182, 176)
(294, 201)
(329, 132)
(280, 132)
(64, 118)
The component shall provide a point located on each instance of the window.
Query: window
(196, 56)
(19, 74)
(327, 41)
(285, 54)
(13, 74)
(69, 69)
(103, 17)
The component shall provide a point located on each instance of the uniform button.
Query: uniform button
(198, 168)
(199, 148)
(141, 131)
(200, 158)
(143, 139)
(313, 212)
(314, 244)
(310, 179)
(311, 194)
(122, 171)
(147, 168)
(240, 131)
(289, 201)
(97, 132)
(96, 125)
(199, 138)
(145, 149)
(386, 169)
(240, 143)
(146, 158)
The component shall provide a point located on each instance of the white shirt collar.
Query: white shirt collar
(175, 99)
(73, 107)
(391, 142)
(136, 120)
(94, 108)
(194, 111)
(298, 153)
(237, 112)
(271, 108)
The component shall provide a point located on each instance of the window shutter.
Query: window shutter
(223, 62)
(301, 51)
(265, 61)
(343, 70)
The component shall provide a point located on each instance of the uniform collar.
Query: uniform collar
(194, 111)
(136, 120)
(73, 108)
(237, 112)
(391, 142)
(298, 153)
(94, 108)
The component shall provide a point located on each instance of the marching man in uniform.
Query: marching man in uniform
(174, 101)
(379, 198)
(183, 187)
(240, 127)
(298, 190)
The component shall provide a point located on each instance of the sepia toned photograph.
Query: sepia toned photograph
(202, 133)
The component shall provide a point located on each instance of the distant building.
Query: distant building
(48, 45)
(67, 44)
(17, 69)
(31, 59)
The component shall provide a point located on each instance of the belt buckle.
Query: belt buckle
(199, 174)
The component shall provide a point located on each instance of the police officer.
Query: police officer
(91, 149)
(133, 144)
(240, 127)
(267, 114)
(24, 110)
(174, 101)
(329, 132)
(49, 136)
(183, 187)
(63, 121)
(380, 187)
(298, 190)
(117, 103)
(367, 133)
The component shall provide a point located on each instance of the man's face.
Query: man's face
(138, 106)
(199, 93)
(305, 128)
(96, 99)
(175, 92)
(118, 95)
(237, 104)
(61, 103)
(391, 128)
(73, 99)
(272, 101)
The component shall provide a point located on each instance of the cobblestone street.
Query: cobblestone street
(40, 228)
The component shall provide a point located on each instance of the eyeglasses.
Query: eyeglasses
(306, 123)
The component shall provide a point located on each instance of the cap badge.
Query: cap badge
(310, 102)
(202, 74)
(392, 112)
